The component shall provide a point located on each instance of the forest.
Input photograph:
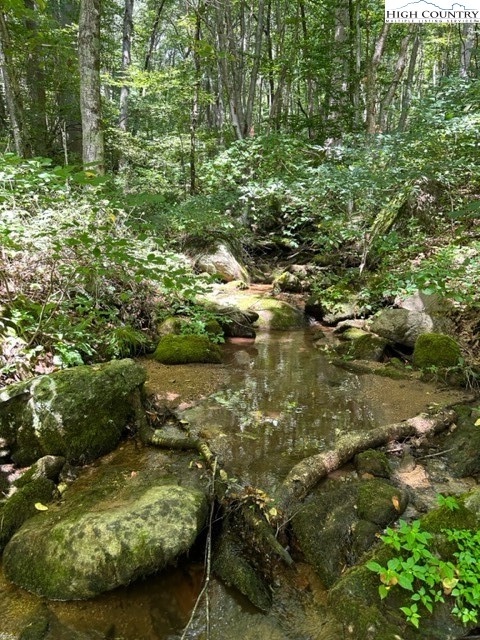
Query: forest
(178, 178)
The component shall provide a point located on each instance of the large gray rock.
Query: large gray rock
(417, 314)
(104, 538)
(402, 326)
(222, 263)
(77, 413)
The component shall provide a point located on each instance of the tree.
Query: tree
(12, 90)
(90, 99)
(126, 62)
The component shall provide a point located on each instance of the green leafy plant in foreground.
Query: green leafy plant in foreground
(426, 576)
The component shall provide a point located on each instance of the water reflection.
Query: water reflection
(285, 402)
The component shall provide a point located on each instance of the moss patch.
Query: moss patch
(380, 502)
(232, 567)
(186, 349)
(374, 462)
(21, 506)
(436, 350)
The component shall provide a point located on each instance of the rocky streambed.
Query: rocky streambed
(270, 404)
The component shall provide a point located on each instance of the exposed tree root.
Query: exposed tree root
(306, 474)
(250, 513)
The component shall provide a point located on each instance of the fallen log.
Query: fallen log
(306, 474)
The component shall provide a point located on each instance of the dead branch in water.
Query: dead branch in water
(306, 474)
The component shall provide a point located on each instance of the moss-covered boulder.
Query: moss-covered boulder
(287, 281)
(172, 324)
(322, 308)
(356, 603)
(274, 315)
(436, 350)
(362, 345)
(14, 511)
(231, 565)
(104, 538)
(77, 413)
(339, 521)
(186, 349)
(373, 462)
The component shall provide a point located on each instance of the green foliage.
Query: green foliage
(79, 274)
(427, 577)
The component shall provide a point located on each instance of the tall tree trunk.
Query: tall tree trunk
(90, 99)
(340, 66)
(467, 42)
(67, 98)
(195, 102)
(36, 87)
(255, 68)
(229, 72)
(12, 90)
(397, 76)
(371, 80)
(126, 61)
(308, 78)
(3, 111)
(407, 91)
(268, 34)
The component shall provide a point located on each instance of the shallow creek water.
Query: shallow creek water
(283, 402)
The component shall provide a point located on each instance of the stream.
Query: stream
(281, 401)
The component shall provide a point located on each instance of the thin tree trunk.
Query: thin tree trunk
(3, 112)
(407, 92)
(90, 99)
(195, 102)
(229, 80)
(36, 87)
(268, 34)
(153, 36)
(397, 76)
(126, 62)
(12, 91)
(309, 79)
(371, 80)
